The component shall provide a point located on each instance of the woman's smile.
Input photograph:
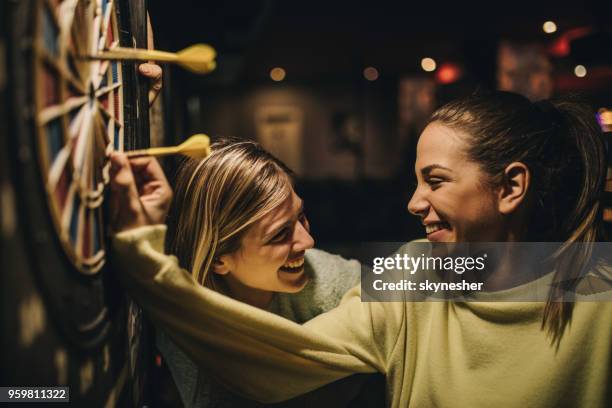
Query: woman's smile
(294, 266)
(437, 231)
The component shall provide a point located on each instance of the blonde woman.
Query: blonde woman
(490, 167)
(237, 224)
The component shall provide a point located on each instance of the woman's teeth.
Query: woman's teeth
(431, 228)
(294, 264)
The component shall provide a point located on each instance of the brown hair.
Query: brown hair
(560, 143)
(217, 198)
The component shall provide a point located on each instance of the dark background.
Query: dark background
(356, 194)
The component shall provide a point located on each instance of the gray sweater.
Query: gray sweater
(331, 277)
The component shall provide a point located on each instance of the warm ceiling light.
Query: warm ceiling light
(277, 74)
(580, 71)
(549, 27)
(428, 64)
(370, 73)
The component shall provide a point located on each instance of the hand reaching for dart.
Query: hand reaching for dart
(140, 192)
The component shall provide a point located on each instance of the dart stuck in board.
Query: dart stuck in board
(197, 147)
(198, 58)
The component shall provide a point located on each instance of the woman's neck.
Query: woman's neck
(251, 296)
(515, 264)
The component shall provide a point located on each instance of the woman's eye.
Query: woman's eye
(280, 236)
(434, 182)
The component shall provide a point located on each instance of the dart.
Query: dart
(197, 147)
(199, 58)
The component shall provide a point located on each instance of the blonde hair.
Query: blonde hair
(216, 200)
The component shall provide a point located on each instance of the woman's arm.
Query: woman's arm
(253, 352)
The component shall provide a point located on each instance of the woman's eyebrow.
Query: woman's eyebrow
(276, 229)
(428, 169)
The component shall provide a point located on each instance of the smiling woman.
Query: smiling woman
(490, 167)
(450, 199)
(237, 224)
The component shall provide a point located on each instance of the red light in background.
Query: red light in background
(561, 46)
(448, 73)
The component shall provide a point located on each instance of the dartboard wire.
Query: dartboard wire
(95, 261)
(104, 65)
(103, 91)
(70, 42)
(63, 70)
(102, 72)
(103, 29)
(110, 129)
(66, 217)
(104, 119)
(75, 28)
(95, 193)
(75, 125)
(90, 259)
(57, 168)
(105, 25)
(100, 46)
(110, 135)
(47, 66)
(94, 72)
(104, 147)
(54, 111)
(118, 70)
(66, 11)
(82, 141)
(89, 197)
(99, 160)
(93, 264)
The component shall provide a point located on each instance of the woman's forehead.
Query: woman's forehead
(279, 215)
(442, 145)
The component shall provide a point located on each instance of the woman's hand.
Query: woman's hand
(154, 73)
(140, 193)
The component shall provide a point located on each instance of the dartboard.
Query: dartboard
(72, 111)
(79, 119)
(67, 111)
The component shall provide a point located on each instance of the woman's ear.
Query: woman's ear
(221, 265)
(513, 192)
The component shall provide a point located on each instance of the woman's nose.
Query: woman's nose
(417, 204)
(302, 240)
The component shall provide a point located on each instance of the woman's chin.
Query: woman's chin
(293, 281)
(442, 235)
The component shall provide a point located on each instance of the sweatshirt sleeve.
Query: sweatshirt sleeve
(253, 352)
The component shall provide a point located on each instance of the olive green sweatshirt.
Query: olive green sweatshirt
(434, 354)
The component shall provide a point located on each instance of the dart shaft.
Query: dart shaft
(135, 54)
(154, 151)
